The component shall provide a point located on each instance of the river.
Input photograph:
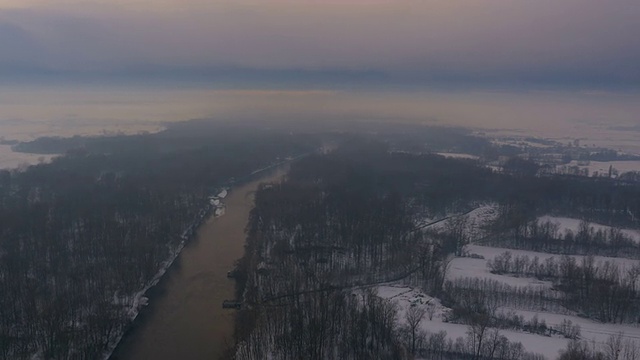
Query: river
(185, 319)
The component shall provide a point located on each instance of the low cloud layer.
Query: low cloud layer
(567, 41)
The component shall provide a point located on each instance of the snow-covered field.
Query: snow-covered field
(519, 142)
(405, 297)
(590, 330)
(11, 160)
(572, 224)
(482, 214)
(602, 167)
(477, 268)
(458, 155)
(26, 130)
(490, 252)
(548, 346)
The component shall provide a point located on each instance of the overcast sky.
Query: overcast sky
(561, 42)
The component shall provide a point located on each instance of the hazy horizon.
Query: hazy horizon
(322, 179)
(599, 118)
(560, 69)
(488, 109)
(569, 43)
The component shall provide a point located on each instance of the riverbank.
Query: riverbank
(215, 208)
(184, 318)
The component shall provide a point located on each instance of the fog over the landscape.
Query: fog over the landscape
(602, 118)
(569, 42)
(320, 179)
(88, 109)
(555, 68)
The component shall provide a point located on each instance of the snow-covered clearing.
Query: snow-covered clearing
(404, 297)
(458, 155)
(520, 143)
(490, 252)
(548, 346)
(482, 214)
(602, 167)
(590, 330)
(464, 267)
(10, 159)
(478, 217)
(572, 224)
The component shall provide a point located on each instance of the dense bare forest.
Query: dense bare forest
(80, 237)
(340, 224)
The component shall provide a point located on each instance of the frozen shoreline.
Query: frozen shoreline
(214, 209)
(139, 300)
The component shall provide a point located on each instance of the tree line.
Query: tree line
(600, 290)
(516, 231)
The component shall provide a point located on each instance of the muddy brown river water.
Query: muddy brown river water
(185, 319)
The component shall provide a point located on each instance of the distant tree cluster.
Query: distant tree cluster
(600, 290)
(615, 348)
(469, 297)
(518, 231)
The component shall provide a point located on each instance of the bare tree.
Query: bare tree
(431, 310)
(613, 347)
(476, 336)
(456, 227)
(414, 316)
(631, 350)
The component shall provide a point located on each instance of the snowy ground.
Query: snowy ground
(482, 214)
(548, 346)
(405, 297)
(573, 225)
(11, 160)
(520, 142)
(458, 155)
(477, 268)
(602, 167)
(27, 129)
(590, 330)
(490, 252)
